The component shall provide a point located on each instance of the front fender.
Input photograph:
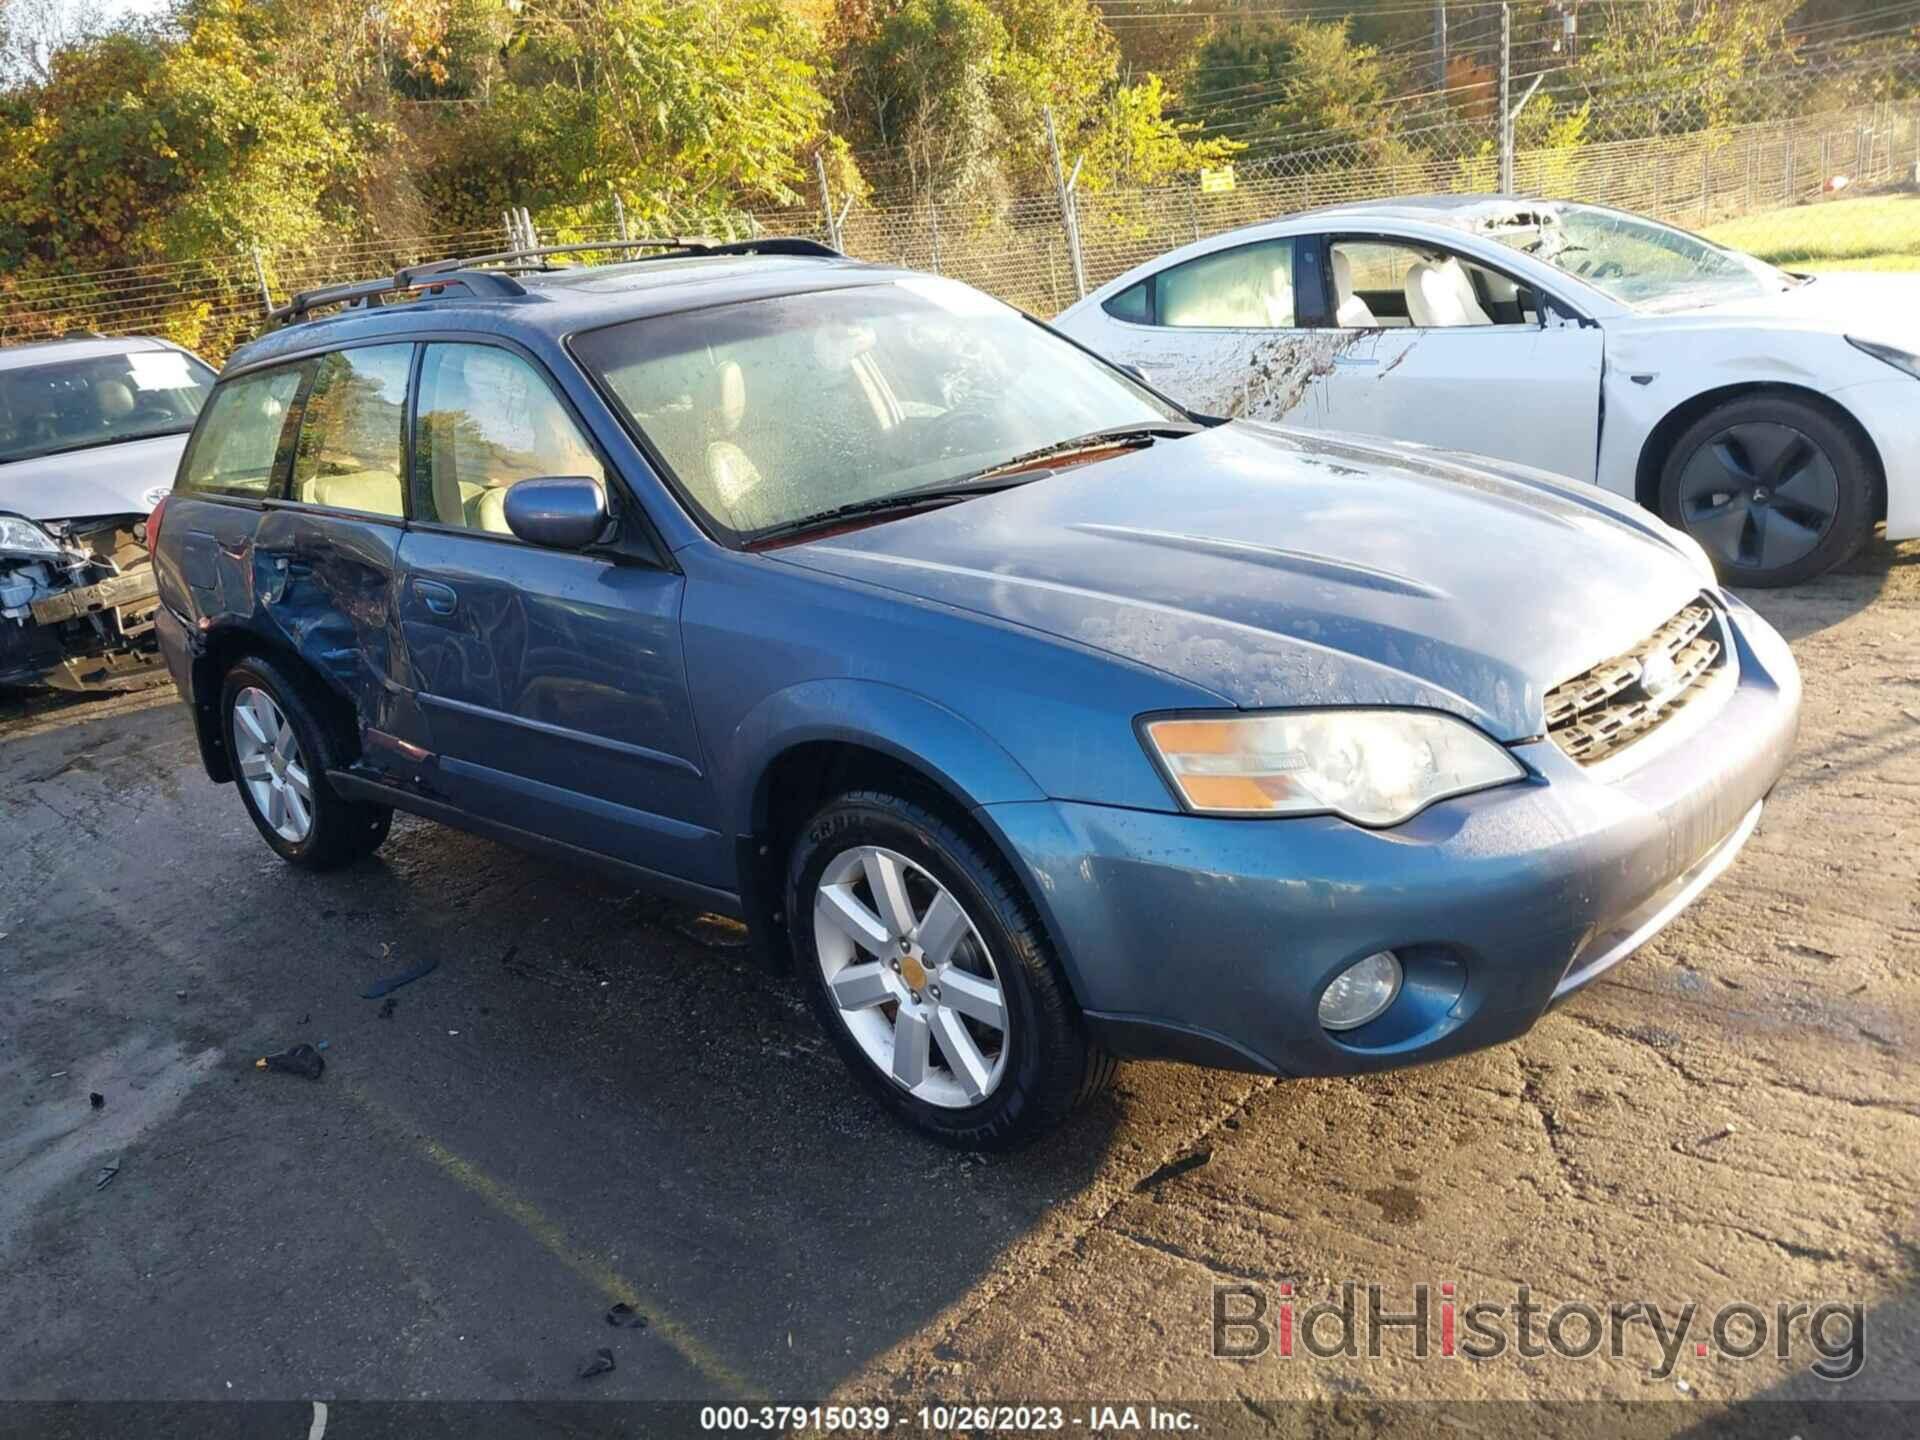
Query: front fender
(952, 751)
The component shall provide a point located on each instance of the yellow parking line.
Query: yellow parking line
(554, 1240)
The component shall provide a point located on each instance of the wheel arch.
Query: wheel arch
(1660, 440)
(803, 745)
(226, 646)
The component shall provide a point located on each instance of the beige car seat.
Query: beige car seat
(1440, 296)
(1351, 312)
(732, 477)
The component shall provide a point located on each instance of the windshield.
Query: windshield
(101, 400)
(770, 412)
(1638, 261)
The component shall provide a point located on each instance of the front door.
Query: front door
(552, 681)
(1456, 356)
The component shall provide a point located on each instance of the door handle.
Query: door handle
(440, 599)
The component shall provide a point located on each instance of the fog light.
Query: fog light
(1361, 992)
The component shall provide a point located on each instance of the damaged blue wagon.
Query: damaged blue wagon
(1033, 720)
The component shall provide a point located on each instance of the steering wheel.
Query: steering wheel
(964, 430)
(1606, 270)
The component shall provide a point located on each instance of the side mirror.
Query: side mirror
(562, 512)
(1134, 372)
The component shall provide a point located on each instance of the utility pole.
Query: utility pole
(1506, 98)
(620, 215)
(1439, 44)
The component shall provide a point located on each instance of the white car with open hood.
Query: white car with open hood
(1774, 417)
(91, 431)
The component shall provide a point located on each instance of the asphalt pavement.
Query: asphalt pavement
(595, 1099)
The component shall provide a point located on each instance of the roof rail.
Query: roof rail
(493, 271)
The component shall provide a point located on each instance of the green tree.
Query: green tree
(1296, 86)
(146, 147)
(688, 110)
(1657, 66)
(917, 80)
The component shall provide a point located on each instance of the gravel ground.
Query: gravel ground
(595, 1100)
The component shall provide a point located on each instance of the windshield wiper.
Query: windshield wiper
(981, 482)
(1111, 438)
(902, 500)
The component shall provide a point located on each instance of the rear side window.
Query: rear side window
(1246, 288)
(488, 420)
(234, 450)
(353, 431)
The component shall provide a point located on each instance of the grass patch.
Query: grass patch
(1872, 232)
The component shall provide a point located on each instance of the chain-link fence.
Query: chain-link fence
(1771, 182)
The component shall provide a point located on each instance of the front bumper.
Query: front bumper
(87, 638)
(1210, 940)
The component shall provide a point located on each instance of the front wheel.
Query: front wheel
(928, 968)
(1775, 490)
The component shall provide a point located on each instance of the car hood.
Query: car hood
(1273, 568)
(1864, 304)
(105, 480)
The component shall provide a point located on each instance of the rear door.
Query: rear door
(552, 681)
(1502, 373)
(325, 554)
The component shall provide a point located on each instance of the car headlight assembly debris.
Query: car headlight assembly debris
(20, 537)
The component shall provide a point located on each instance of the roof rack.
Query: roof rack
(492, 273)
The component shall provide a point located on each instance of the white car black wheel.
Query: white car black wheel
(1775, 490)
(930, 970)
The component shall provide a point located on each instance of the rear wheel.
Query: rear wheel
(1775, 490)
(928, 968)
(280, 750)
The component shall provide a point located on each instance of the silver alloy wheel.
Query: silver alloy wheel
(270, 765)
(913, 981)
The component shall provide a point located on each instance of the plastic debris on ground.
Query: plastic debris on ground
(598, 1363)
(302, 1059)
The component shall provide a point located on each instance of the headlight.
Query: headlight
(1374, 767)
(20, 536)
(1900, 359)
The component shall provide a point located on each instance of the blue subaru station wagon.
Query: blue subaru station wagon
(1033, 720)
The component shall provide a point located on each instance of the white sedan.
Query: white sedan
(1774, 417)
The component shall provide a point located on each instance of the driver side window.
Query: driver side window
(1380, 284)
(488, 420)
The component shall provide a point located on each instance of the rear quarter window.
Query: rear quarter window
(1132, 304)
(235, 449)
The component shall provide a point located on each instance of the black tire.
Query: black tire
(1053, 1064)
(342, 830)
(1827, 462)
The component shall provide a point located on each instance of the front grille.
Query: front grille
(1602, 711)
